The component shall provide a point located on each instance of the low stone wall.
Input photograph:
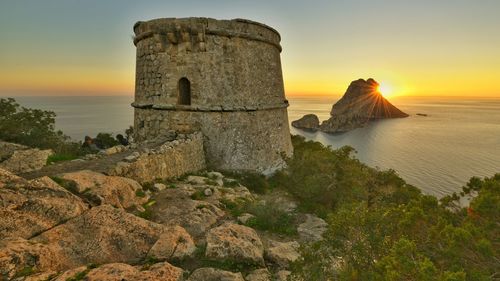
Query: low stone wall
(171, 159)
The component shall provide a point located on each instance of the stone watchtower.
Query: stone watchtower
(220, 77)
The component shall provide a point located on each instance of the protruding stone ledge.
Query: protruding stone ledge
(176, 30)
(218, 108)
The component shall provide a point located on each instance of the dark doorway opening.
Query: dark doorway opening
(184, 91)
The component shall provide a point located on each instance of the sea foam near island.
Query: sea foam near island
(438, 153)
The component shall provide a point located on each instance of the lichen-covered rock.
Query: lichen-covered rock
(244, 218)
(197, 180)
(28, 160)
(115, 149)
(8, 178)
(312, 229)
(174, 243)
(282, 254)
(28, 208)
(18, 254)
(361, 103)
(261, 274)
(233, 242)
(283, 275)
(120, 271)
(214, 274)
(308, 122)
(101, 189)
(103, 235)
(8, 148)
(175, 207)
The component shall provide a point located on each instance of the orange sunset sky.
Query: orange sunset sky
(414, 48)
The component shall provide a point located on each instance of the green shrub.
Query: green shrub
(269, 217)
(35, 128)
(140, 193)
(54, 158)
(198, 195)
(255, 182)
(26, 271)
(105, 140)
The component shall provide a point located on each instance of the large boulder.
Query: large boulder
(174, 244)
(8, 148)
(214, 274)
(28, 160)
(236, 243)
(282, 253)
(103, 235)
(261, 274)
(361, 103)
(174, 206)
(18, 254)
(101, 189)
(9, 179)
(308, 122)
(312, 229)
(120, 271)
(28, 208)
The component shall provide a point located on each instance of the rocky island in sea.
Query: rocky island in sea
(361, 103)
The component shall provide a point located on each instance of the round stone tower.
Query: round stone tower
(220, 77)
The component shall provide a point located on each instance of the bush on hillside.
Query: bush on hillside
(381, 228)
(33, 128)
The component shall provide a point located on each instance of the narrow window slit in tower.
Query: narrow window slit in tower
(184, 87)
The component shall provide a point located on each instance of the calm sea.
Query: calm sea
(459, 138)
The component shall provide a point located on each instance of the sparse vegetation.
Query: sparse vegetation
(26, 271)
(67, 184)
(140, 193)
(255, 182)
(54, 158)
(198, 195)
(147, 213)
(81, 275)
(270, 218)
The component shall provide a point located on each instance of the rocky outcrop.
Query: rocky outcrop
(176, 207)
(312, 229)
(17, 254)
(27, 160)
(9, 179)
(214, 274)
(308, 122)
(8, 148)
(28, 208)
(174, 244)
(361, 103)
(282, 253)
(120, 271)
(101, 189)
(102, 235)
(233, 242)
(261, 274)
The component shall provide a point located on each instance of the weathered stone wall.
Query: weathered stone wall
(171, 159)
(233, 140)
(237, 92)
